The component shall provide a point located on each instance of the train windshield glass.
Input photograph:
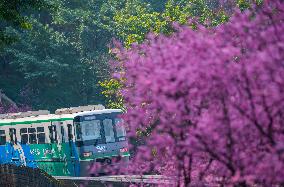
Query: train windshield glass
(120, 130)
(106, 128)
(91, 130)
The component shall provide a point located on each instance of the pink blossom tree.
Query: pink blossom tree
(9, 106)
(207, 105)
(12, 109)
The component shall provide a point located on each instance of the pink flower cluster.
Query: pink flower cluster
(12, 109)
(206, 106)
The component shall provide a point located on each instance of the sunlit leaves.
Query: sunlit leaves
(137, 19)
(111, 88)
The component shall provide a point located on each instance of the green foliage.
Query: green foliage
(201, 10)
(59, 61)
(51, 70)
(137, 18)
(59, 50)
(245, 4)
(111, 92)
(15, 13)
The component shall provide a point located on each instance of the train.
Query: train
(66, 143)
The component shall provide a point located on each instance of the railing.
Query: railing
(117, 179)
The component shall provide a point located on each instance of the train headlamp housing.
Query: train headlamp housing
(123, 150)
(87, 154)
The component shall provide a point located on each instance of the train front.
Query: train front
(100, 138)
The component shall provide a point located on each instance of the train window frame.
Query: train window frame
(93, 126)
(70, 132)
(62, 134)
(3, 137)
(52, 133)
(78, 131)
(32, 135)
(40, 133)
(13, 131)
(120, 137)
(25, 134)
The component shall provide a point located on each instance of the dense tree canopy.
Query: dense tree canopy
(210, 101)
(15, 13)
(59, 50)
(138, 18)
(59, 60)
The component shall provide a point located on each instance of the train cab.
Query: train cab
(100, 137)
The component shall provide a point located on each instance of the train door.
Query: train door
(62, 141)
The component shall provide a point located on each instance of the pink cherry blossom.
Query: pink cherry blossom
(206, 106)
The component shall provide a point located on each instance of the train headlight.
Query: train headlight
(123, 150)
(87, 154)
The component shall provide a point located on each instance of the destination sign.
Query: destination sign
(89, 118)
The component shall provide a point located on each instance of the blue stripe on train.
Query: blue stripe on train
(19, 154)
(76, 162)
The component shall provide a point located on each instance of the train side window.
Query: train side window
(62, 134)
(78, 131)
(108, 128)
(12, 133)
(70, 135)
(55, 133)
(2, 137)
(40, 135)
(32, 135)
(24, 135)
(52, 134)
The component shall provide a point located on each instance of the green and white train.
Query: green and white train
(66, 143)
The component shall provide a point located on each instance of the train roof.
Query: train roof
(54, 117)
(97, 112)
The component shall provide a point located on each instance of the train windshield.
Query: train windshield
(101, 129)
(120, 130)
(91, 130)
(108, 130)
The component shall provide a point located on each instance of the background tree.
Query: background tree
(45, 60)
(62, 55)
(15, 13)
(112, 93)
(137, 18)
(210, 101)
(59, 61)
